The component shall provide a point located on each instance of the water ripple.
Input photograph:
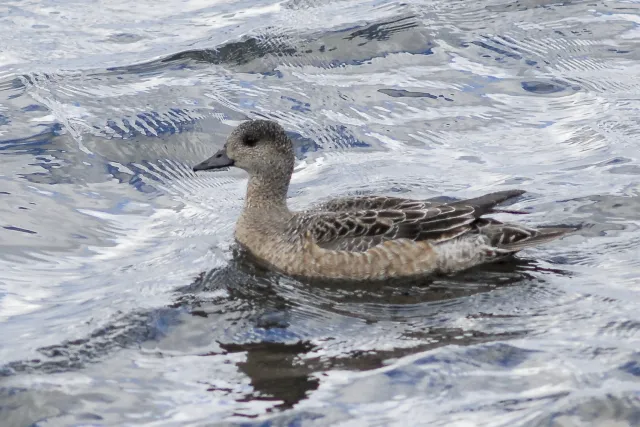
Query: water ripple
(118, 269)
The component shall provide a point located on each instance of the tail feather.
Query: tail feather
(526, 237)
(509, 238)
(485, 204)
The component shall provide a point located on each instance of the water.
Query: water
(122, 303)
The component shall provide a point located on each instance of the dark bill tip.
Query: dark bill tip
(220, 160)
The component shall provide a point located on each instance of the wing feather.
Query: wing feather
(360, 223)
(361, 230)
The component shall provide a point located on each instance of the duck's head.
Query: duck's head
(260, 147)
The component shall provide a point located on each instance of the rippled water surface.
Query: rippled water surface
(121, 299)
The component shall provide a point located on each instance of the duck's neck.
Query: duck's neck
(267, 197)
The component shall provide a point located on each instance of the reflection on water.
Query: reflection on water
(122, 299)
(244, 298)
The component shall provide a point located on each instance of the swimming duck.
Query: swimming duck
(359, 238)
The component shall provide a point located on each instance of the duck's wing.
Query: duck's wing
(373, 203)
(360, 230)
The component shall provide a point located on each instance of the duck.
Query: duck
(363, 238)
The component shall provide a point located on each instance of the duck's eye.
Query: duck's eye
(250, 140)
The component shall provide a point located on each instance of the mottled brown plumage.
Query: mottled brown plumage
(359, 238)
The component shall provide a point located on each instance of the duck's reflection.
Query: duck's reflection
(287, 370)
(291, 332)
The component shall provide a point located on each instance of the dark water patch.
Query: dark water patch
(611, 408)
(401, 93)
(332, 49)
(145, 175)
(11, 84)
(303, 145)
(300, 106)
(125, 332)
(621, 52)
(345, 138)
(615, 161)
(154, 124)
(139, 184)
(500, 354)
(384, 30)
(503, 47)
(632, 367)
(235, 53)
(121, 176)
(626, 170)
(147, 69)
(541, 88)
(21, 230)
(34, 107)
(124, 38)
(46, 178)
(33, 144)
(275, 371)
(497, 50)
(523, 5)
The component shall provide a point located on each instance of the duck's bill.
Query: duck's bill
(220, 160)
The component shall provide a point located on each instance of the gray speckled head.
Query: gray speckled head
(260, 147)
(263, 149)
